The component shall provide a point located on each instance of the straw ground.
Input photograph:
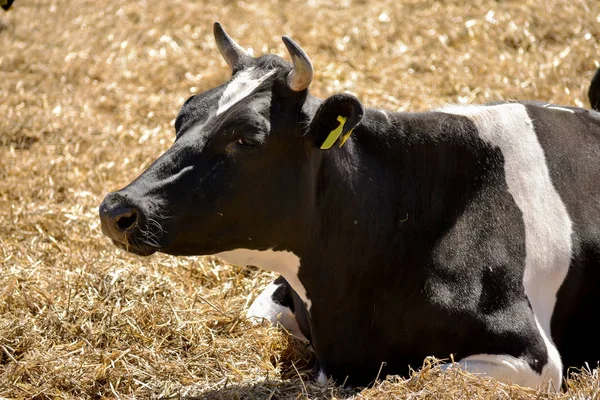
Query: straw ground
(88, 94)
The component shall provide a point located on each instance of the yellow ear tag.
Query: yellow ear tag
(345, 137)
(334, 134)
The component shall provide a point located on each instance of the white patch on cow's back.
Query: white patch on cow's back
(548, 228)
(242, 85)
(264, 307)
(283, 262)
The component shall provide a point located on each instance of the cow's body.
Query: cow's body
(455, 246)
(442, 233)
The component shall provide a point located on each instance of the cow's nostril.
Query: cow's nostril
(127, 220)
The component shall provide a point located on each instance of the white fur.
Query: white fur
(548, 227)
(241, 86)
(505, 368)
(551, 107)
(561, 109)
(283, 262)
(385, 114)
(321, 377)
(265, 308)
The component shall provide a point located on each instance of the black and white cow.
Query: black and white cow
(594, 92)
(5, 4)
(471, 231)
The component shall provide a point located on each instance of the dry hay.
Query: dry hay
(88, 95)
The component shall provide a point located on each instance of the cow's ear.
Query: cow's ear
(335, 119)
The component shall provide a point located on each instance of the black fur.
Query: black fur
(594, 91)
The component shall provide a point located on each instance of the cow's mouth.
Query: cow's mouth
(141, 249)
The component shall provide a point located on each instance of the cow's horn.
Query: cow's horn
(233, 53)
(302, 74)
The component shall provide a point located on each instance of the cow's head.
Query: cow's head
(241, 173)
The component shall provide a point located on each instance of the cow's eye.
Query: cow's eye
(246, 142)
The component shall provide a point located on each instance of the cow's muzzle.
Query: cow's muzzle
(126, 224)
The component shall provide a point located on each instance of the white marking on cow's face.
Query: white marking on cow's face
(241, 86)
(283, 262)
(548, 228)
(264, 307)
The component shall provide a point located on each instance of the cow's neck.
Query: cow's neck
(391, 190)
(384, 191)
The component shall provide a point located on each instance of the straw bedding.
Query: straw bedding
(88, 95)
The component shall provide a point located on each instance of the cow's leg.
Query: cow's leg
(531, 360)
(276, 304)
(538, 366)
(508, 369)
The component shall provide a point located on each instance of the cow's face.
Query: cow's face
(240, 172)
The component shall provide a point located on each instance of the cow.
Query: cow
(5, 4)
(594, 91)
(468, 233)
